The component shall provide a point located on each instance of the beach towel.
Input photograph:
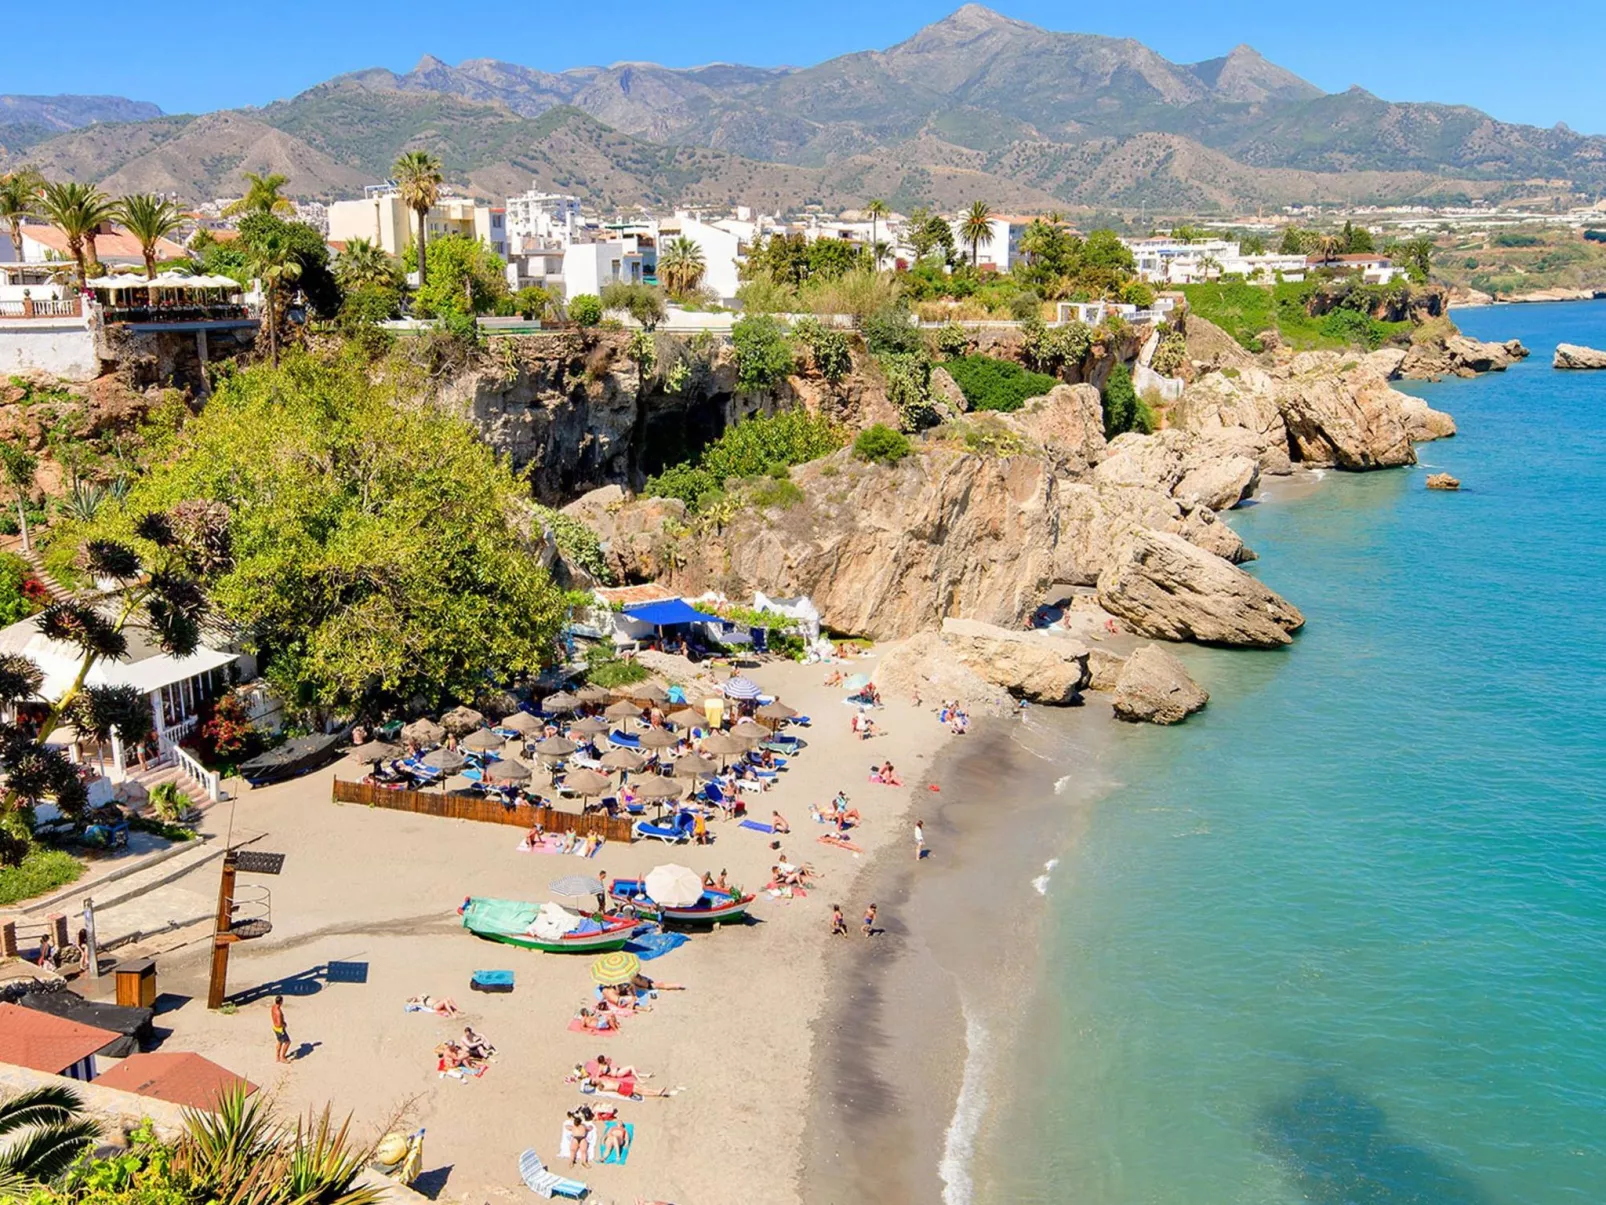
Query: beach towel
(620, 1157)
(578, 1026)
(566, 1142)
(758, 826)
(588, 1091)
(840, 843)
(491, 981)
(655, 945)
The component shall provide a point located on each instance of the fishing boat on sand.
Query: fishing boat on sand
(548, 927)
(710, 908)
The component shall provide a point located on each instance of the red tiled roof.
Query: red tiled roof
(1364, 257)
(30, 1038)
(117, 245)
(181, 1078)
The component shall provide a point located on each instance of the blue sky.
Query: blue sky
(1518, 65)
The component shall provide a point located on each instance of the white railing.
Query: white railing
(167, 745)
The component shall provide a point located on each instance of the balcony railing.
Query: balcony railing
(175, 313)
(28, 307)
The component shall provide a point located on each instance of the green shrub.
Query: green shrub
(1170, 354)
(40, 870)
(953, 340)
(775, 491)
(828, 348)
(1052, 349)
(889, 331)
(763, 355)
(612, 673)
(578, 544)
(586, 309)
(15, 604)
(753, 448)
(908, 378)
(641, 301)
(1123, 409)
(993, 384)
(880, 444)
(1025, 304)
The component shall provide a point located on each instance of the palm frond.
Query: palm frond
(45, 1152)
(39, 1106)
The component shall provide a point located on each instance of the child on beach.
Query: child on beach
(839, 924)
(869, 921)
(920, 839)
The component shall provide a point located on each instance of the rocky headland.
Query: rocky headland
(1574, 356)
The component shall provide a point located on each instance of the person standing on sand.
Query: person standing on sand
(920, 839)
(602, 891)
(281, 1032)
(839, 924)
(869, 921)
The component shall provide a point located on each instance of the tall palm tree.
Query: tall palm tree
(19, 198)
(362, 264)
(262, 195)
(149, 218)
(275, 265)
(878, 212)
(43, 1131)
(977, 228)
(681, 265)
(77, 210)
(1329, 246)
(418, 175)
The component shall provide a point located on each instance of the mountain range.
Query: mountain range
(977, 105)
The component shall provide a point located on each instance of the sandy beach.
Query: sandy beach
(372, 894)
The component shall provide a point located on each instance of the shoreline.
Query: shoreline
(910, 1043)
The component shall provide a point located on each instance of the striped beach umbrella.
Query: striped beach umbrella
(741, 688)
(617, 967)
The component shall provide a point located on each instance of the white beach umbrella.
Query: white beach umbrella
(674, 886)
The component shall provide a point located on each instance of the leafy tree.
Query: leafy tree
(19, 198)
(784, 257)
(44, 1131)
(930, 232)
(993, 384)
(364, 265)
(830, 258)
(469, 278)
(275, 264)
(263, 197)
(977, 228)
(418, 175)
(878, 211)
(77, 210)
(585, 309)
(1186, 233)
(1123, 411)
(880, 444)
(681, 265)
(1357, 240)
(1138, 294)
(908, 380)
(531, 302)
(1416, 257)
(19, 467)
(149, 218)
(316, 281)
(642, 302)
(763, 355)
(1104, 249)
(1295, 241)
(756, 447)
(366, 307)
(1252, 244)
(375, 551)
(1329, 247)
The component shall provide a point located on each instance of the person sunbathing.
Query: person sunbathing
(619, 1085)
(778, 823)
(597, 1022)
(578, 1130)
(840, 810)
(889, 776)
(624, 1000)
(816, 814)
(645, 983)
(616, 1142)
(834, 678)
(445, 1007)
(476, 1044)
(603, 1065)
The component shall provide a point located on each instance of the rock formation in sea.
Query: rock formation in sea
(1572, 355)
(1154, 687)
(1443, 481)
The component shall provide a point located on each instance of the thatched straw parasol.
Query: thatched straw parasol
(507, 772)
(447, 761)
(623, 759)
(650, 691)
(749, 731)
(590, 726)
(593, 694)
(686, 718)
(587, 782)
(558, 702)
(521, 721)
(657, 738)
(424, 731)
(776, 711)
(555, 746)
(657, 787)
(624, 709)
(693, 765)
(482, 739)
(461, 720)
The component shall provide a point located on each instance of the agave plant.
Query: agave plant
(42, 1133)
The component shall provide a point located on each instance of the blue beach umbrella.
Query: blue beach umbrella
(741, 688)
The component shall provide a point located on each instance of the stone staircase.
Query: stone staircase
(57, 592)
(166, 769)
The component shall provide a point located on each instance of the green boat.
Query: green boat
(564, 931)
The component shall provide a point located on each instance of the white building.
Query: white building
(1002, 251)
(114, 247)
(1173, 261)
(630, 258)
(541, 220)
(721, 248)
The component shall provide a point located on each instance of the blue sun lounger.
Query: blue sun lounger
(544, 1183)
(678, 830)
(624, 740)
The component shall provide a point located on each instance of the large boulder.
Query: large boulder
(1195, 470)
(1067, 422)
(1045, 667)
(1153, 687)
(1446, 352)
(1161, 585)
(946, 397)
(637, 535)
(1571, 355)
(1343, 414)
(924, 665)
(1237, 406)
(1204, 529)
(1423, 423)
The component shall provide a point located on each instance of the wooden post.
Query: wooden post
(8, 940)
(222, 939)
(91, 945)
(58, 929)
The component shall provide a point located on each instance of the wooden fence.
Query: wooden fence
(485, 810)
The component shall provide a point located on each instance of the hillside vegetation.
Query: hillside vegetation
(1246, 310)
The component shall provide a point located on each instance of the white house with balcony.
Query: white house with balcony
(175, 687)
(1001, 251)
(721, 248)
(539, 220)
(631, 258)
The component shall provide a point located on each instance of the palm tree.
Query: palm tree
(275, 265)
(19, 198)
(418, 175)
(1329, 246)
(44, 1131)
(681, 265)
(149, 218)
(977, 228)
(363, 264)
(77, 210)
(878, 211)
(262, 196)
(18, 466)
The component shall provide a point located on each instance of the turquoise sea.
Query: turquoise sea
(1342, 937)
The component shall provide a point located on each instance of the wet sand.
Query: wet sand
(921, 1020)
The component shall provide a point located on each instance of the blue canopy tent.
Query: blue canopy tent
(670, 611)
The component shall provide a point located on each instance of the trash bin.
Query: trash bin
(136, 983)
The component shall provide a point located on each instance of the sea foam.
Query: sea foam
(959, 1143)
